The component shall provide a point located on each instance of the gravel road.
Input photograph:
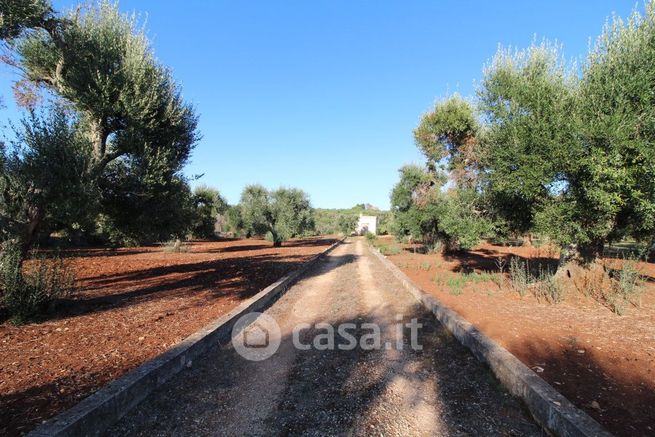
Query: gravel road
(395, 390)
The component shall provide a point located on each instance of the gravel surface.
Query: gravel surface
(392, 391)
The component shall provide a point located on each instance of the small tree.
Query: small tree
(347, 223)
(208, 204)
(280, 215)
(423, 211)
(449, 134)
(41, 167)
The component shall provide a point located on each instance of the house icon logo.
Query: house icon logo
(256, 336)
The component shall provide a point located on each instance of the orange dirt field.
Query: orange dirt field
(602, 362)
(130, 305)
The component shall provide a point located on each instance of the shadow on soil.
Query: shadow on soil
(239, 278)
(341, 392)
(486, 260)
(335, 392)
(203, 282)
(625, 403)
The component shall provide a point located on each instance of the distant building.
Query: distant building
(367, 223)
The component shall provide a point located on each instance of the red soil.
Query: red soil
(602, 362)
(131, 305)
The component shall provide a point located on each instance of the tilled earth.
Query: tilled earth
(130, 305)
(397, 389)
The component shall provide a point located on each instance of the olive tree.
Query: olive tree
(127, 105)
(280, 215)
(449, 133)
(613, 183)
(39, 168)
(572, 156)
(423, 210)
(528, 100)
(208, 204)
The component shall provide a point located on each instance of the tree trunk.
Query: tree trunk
(584, 254)
(579, 264)
(35, 216)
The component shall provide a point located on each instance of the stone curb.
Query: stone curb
(548, 407)
(105, 407)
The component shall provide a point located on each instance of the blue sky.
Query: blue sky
(323, 95)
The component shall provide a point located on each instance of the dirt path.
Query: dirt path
(439, 390)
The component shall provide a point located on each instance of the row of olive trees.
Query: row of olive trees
(546, 147)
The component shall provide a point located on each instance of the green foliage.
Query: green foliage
(572, 156)
(462, 224)
(344, 221)
(292, 212)
(28, 292)
(234, 220)
(141, 207)
(347, 223)
(129, 135)
(614, 187)
(389, 249)
(102, 63)
(207, 206)
(279, 215)
(410, 218)
(16, 16)
(423, 211)
(528, 98)
(449, 132)
(40, 175)
(519, 274)
(370, 236)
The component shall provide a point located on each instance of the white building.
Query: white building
(367, 223)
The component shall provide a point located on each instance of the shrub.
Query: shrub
(501, 264)
(627, 287)
(519, 274)
(29, 292)
(435, 247)
(548, 288)
(371, 237)
(389, 249)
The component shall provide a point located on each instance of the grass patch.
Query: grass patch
(456, 284)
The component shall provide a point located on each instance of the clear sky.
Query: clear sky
(323, 95)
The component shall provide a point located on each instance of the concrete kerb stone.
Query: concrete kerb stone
(548, 407)
(97, 412)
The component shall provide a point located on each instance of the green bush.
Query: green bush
(519, 274)
(548, 288)
(389, 249)
(370, 237)
(627, 287)
(29, 292)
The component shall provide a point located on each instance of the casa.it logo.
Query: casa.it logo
(256, 336)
